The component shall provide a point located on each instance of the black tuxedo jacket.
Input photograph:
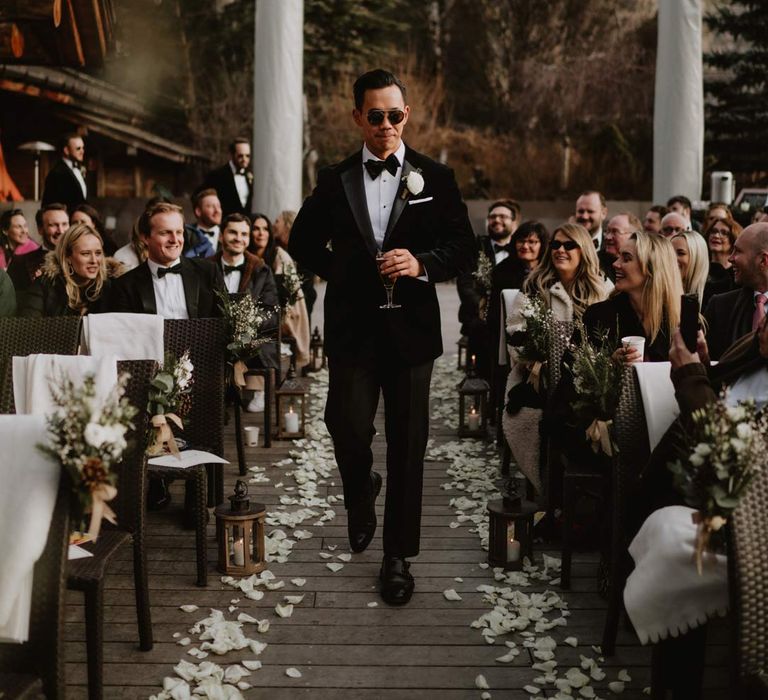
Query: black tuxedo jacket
(133, 292)
(729, 317)
(223, 181)
(62, 186)
(432, 225)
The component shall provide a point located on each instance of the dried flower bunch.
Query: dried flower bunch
(244, 317)
(482, 275)
(289, 284)
(88, 438)
(531, 343)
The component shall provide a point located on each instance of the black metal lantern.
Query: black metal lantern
(463, 345)
(291, 400)
(240, 534)
(510, 528)
(317, 359)
(473, 404)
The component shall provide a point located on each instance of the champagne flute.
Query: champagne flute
(389, 284)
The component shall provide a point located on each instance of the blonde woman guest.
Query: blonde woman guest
(75, 277)
(645, 301)
(693, 261)
(14, 236)
(568, 279)
(295, 319)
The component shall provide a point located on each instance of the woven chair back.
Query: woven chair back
(560, 333)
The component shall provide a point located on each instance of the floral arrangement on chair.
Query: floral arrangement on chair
(89, 439)
(597, 383)
(531, 343)
(483, 276)
(243, 317)
(289, 286)
(725, 443)
(170, 396)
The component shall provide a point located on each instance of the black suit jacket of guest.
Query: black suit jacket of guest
(223, 181)
(258, 281)
(25, 269)
(134, 292)
(606, 264)
(62, 186)
(617, 317)
(729, 317)
(432, 225)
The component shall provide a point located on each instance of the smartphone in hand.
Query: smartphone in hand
(689, 320)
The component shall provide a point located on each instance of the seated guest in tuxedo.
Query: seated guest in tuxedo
(282, 230)
(65, 183)
(645, 302)
(734, 314)
(75, 277)
(14, 236)
(86, 214)
(52, 220)
(617, 232)
(693, 261)
(7, 295)
(720, 235)
(295, 319)
(246, 273)
(167, 283)
(568, 280)
(201, 239)
(233, 181)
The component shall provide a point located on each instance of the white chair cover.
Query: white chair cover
(126, 336)
(507, 299)
(659, 402)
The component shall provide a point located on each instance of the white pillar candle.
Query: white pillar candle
(513, 550)
(239, 552)
(473, 420)
(291, 421)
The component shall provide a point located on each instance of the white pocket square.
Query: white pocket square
(420, 201)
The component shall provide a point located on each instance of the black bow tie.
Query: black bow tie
(374, 167)
(208, 233)
(499, 248)
(596, 243)
(234, 268)
(163, 271)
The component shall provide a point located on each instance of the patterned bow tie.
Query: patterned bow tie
(163, 271)
(234, 268)
(375, 167)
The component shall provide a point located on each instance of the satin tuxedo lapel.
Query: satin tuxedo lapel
(399, 204)
(352, 181)
(147, 291)
(191, 284)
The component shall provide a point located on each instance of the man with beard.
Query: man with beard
(590, 213)
(65, 183)
(474, 287)
(233, 181)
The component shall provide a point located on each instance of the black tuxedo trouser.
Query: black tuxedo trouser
(353, 398)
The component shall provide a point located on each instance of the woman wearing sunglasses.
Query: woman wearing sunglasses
(568, 279)
(645, 302)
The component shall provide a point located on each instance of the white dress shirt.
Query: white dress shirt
(169, 293)
(380, 193)
(78, 176)
(241, 184)
(232, 279)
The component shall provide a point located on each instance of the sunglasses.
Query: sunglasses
(568, 245)
(376, 116)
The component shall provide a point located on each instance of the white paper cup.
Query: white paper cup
(636, 342)
(251, 435)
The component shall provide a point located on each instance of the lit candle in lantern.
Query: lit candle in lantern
(472, 362)
(238, 551)
(473, 420)
(513, 546)
(291, 420)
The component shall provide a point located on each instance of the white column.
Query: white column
(277, 109)
(678, 119)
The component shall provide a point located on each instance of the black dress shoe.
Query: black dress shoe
(396, 581)
(361, 520)
(158, 495)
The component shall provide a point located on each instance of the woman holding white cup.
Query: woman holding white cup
(645, 303)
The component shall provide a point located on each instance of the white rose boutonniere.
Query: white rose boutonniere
(414, 183)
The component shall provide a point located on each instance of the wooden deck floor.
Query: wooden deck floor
(346, 643)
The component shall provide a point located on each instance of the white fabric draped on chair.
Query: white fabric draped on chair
(126, 336)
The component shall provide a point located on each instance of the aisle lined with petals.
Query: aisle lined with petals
(313, 626)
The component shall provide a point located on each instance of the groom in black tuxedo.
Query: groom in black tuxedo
(386, 197)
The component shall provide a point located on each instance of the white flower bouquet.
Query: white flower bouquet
(531, 343)
(88, 439)
(170, 396)
(483, 275)
(725, 444)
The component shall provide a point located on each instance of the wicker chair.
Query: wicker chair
(87, 574)
(748, 585)
(634, 450)
(35, 669)
(27, 336)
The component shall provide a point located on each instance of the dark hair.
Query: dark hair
(679, 199)
(235, 218)
(98, 224)
(510, 204)
(535, 228)
(375, 80)
(67, 138)
(5, 224)
(271, 250)
(599, 194)
(53, 206)
(144, 224)
(659, 209)
(235, 141)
